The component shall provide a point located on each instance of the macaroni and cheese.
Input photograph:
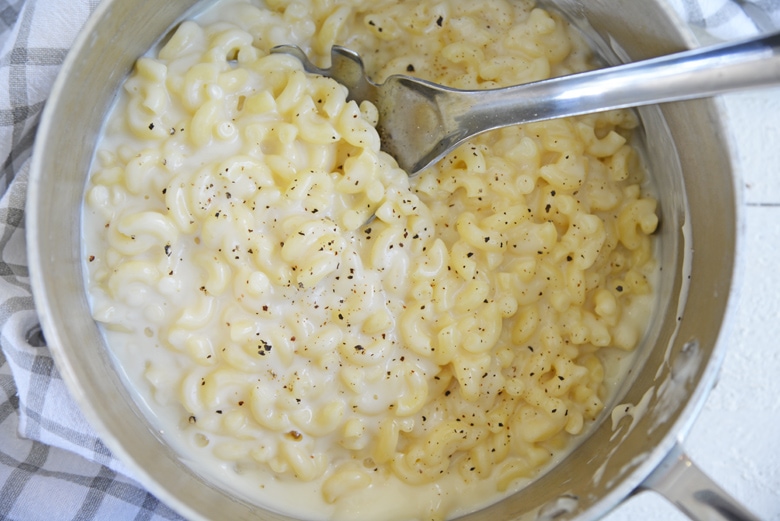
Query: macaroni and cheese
(294, 307)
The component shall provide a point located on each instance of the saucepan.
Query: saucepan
(636, 445)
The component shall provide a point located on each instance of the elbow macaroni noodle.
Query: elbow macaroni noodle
(456, 336)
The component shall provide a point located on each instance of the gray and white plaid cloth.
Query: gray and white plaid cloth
(52, 465)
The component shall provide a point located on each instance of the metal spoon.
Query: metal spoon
(420, 121)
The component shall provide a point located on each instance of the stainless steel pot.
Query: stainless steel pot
(634, 449)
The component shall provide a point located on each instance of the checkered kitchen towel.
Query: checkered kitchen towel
(52, 465)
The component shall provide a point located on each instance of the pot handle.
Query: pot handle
(680, 481)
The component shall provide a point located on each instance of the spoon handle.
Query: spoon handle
(692, 74)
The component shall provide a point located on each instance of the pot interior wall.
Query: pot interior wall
(687, 155)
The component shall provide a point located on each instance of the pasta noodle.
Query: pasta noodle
(453, 339)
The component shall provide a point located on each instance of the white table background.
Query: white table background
(736, 438)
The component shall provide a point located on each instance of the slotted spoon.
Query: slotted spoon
(420, 121)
